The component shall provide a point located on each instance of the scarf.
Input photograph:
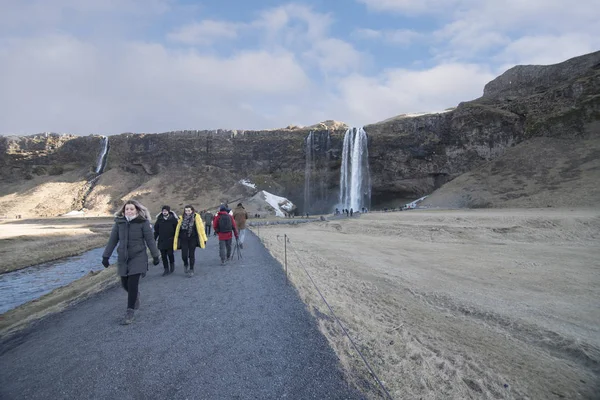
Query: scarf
(188, 224)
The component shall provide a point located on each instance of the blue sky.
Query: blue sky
(112, 66)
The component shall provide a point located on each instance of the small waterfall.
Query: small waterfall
(101, 164)
(355, 177)
(309, 144)
(316, 172)
(86, 189)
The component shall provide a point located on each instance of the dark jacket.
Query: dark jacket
(164, 230)
(132, 237)
(225, 235)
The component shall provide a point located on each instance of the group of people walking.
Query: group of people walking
(132, 234)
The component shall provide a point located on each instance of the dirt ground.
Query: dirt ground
(489, 303)
(33, 241)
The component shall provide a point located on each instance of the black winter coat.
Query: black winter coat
(164, 230)
(132, 239)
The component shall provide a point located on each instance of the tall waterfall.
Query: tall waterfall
(316, 172)
(101, 164)
(355, 179)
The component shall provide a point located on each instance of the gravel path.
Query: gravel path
(230, 332)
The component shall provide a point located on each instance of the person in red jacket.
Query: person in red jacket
(224, 226)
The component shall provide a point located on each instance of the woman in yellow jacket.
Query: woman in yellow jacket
(189, 234)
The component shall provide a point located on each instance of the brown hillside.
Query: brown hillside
(541, 172)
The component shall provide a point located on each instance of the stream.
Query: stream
(24, 285)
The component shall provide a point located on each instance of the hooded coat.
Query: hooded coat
(202, 239)
(240, 215)
(132, 238)
(164, 230)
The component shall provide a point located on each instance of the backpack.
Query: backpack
(225, 225)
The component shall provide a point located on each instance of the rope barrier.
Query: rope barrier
(337, 320)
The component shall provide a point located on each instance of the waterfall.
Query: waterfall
(308, 170)
(355, 179)
(101, 164)
(316, 172)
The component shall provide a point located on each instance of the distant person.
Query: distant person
(133, 234)
(224, 226)
(164, 230)
(240, 216)
(189, 234)
(351, 211)
(208, 218)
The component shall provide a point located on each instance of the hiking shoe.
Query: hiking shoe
(172, 268)
(186, 269)
(241, 245)
(137, 302)
(222, 262)
(191, 274)
(166, 272)
(129, 317)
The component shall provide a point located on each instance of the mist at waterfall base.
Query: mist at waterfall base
(354, 180)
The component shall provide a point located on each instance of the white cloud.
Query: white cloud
(399, 91)
(547, 49)
(64, 84)
(205, 32)
(392, 36)
(411, 6)
(334, 55)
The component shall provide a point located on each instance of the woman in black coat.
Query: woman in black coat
(164, 231)
(133, 234)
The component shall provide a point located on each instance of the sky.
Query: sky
(112, 66)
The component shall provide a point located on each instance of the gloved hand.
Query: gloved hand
(105, 262)
(155, 261)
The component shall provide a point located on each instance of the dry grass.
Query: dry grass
(457, 304)
(541, 172)
(29, 242)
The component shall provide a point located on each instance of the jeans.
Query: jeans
(225, 247)
(131, 285)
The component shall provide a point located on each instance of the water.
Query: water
(355, 177)
(101, 164)
(19, 287)
(317, 198)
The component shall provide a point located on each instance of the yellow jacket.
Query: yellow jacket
(202, 239)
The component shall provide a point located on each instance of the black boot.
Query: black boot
(172, 268)
(166, 271)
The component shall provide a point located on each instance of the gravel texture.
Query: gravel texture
(230, 332)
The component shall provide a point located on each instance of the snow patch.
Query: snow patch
(247, 183)
(414, 203)
(72, 213)
(280, 204)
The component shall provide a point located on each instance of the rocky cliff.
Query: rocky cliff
(408, 156)
(412, 156)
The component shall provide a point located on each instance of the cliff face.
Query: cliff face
(413, 156)
(408, 156)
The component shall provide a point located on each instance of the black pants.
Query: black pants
(207, 229)
(167, 256)
(131, 285)
(188, 250)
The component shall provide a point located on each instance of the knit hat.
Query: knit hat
(166, 208)
(223, 208)
(240, 205)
